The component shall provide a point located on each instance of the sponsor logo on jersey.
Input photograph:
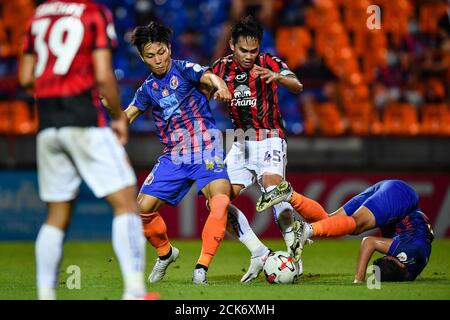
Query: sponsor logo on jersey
(170, 106)
(243, 97)
(155, 86)
(241, 77)
(174, 82)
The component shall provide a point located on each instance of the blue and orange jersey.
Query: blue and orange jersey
(415, 225)
(181, 112)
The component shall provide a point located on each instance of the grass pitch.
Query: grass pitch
(329, 267)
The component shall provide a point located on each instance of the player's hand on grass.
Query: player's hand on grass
(222, 94)
(120, 128)
(357, 281)
(266, 74)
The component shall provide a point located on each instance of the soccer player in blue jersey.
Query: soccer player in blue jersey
(392, 206)
(193, 153)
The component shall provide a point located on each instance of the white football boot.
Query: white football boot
(199, 276)
(160, 267)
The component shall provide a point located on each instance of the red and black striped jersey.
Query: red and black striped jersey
(255, 103)
(62, 35)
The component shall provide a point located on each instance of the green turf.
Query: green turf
(328, 273)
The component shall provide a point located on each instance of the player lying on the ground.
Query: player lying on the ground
(253, 78)
(185, 126)
(392, 206)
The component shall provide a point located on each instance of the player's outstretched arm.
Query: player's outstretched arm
(217, 84)
(368, 246)
(132, 112)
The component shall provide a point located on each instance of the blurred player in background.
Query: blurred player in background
(253, 78)
(193, 153)
(392, 206)
(67, 61)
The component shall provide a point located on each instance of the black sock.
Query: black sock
(200, 266)
(167, 256)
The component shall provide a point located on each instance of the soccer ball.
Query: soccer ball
(280, 268)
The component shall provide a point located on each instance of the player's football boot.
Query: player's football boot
(280, 193)
(160, 267)
(300, 229)
(199, 276)
(256, 266)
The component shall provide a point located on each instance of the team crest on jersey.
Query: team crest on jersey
(174, 82)
(155, 86)
(165, 92)
(402, 257)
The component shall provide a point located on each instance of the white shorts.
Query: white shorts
(248, 161)
(67, 155)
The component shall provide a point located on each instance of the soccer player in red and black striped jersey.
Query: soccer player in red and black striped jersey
(259, 151)
(67, 61)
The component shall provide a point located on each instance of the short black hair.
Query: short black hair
(153, 32)
(247, 27)
(390, 270)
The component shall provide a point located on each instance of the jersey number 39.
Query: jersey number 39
(64, 40)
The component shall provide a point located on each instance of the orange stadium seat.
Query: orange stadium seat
(400, 119)
(359, 116)
(355, 14)
(293, 43)
(311, 121)
(24, 118)
(435, 120)
(5, 117)
(330, 120)
(429, 15)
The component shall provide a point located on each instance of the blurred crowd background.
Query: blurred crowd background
(358, 82)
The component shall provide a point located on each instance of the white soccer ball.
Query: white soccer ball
(280, 268)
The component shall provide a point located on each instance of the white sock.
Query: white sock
(283, 215)
(129, 246)
(48, 251)
(239, 227)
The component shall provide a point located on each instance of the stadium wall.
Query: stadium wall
(21, 211)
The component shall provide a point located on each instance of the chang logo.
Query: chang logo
(243, 97)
